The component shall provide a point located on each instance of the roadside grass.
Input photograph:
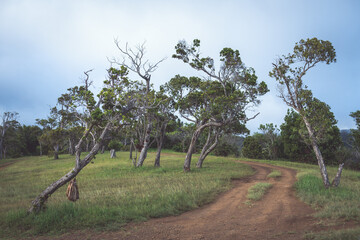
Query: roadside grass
(257, 191)
(274, 174)
(112, 192)
(348, 234)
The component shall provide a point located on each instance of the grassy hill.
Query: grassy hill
(112, 192)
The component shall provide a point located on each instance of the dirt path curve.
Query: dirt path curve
(279, 215)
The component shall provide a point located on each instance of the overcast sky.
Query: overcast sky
(45, 46)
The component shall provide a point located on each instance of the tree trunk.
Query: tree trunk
(112, 153)
(131, 149)
(71, 148)
(143, 153)
(1, 149)
(194, 138)
(205, 152)
(56, 151)
(40, 145)
(318, 154)
(336, 181)
(39, 202)
(102, 149)
(189, 153)
(160, 143)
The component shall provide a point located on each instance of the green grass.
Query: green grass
(257, 191)
(348, 234)
(112, 192)
(274, 174)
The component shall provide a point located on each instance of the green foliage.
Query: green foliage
(111, 193)
(252, 147)
(356, 132)
(115, 144)
(296, 142)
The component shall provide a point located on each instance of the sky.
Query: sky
(45, 46)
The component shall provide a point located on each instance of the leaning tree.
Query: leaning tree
(112, 108)
(289, 71)
(221, 97)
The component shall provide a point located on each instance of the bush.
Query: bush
(252, 148)
(114, 144)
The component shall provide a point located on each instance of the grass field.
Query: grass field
(112, 192)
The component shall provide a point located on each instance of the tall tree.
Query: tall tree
(221, 97)
(289, 72)
(8, 119)
(135, 61)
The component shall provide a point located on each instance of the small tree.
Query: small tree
(355, 133)
(289, 72)
(8, 120)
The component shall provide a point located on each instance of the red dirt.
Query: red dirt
(279, 215)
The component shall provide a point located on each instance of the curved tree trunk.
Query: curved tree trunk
(317, 152)
(207, 150)
(194, 138)
(189, 153)
(143, 153)
(39, 202)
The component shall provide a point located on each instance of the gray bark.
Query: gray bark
(131, 149)
(112, 153)
(336, 180)
(143, 153)
(160, 143)
(102, 149)
(194, 138)
(56, 151)
(317, 152)
(71, 148)
(39, 202)
(207, 150)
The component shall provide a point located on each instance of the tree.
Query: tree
(221, 97)
(8, 120)
(355, 133)
(295, 148)
(271, 143)
(252, 147)
(289, 72)
(114, 104)
(297, 145)
(135, 62)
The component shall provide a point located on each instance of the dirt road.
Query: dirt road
(279, 215)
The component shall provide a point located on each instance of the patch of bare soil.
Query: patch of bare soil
(279, 215)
